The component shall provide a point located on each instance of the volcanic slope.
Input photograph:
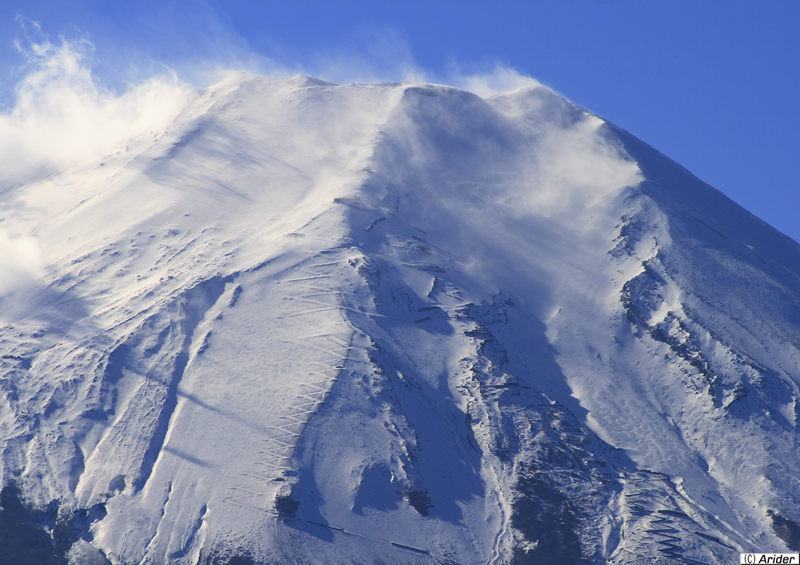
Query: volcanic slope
(395, 323)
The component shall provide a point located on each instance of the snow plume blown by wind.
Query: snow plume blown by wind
(499, 79)
(62, 115)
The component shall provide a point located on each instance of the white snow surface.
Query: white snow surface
(396, 323)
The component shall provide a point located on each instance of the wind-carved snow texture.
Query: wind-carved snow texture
(312, 323)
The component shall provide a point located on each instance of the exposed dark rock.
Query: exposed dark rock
(786, 529)
(547, 520)
(286, 506)
(27, 534)
(420, 501)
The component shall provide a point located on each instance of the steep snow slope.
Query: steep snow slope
(395, 323)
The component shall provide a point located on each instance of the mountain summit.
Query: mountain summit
(392, 323)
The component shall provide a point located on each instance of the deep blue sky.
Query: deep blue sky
(713, 85)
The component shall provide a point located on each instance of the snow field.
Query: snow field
(397, 323)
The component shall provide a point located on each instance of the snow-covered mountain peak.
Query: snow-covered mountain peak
(309, 322)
